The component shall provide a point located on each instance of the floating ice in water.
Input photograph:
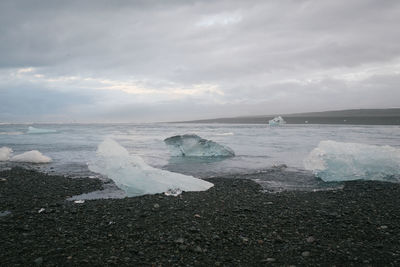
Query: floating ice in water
(336, 161)
(5, 153)
(80, 201)
(32, 156)
(135, 177)
(192, 145)
(33, 130)
(276, 121)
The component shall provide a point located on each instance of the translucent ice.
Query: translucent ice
(192, 145)
(276, 121)
(5, 153)
(135, 177)
(33, 156)
(33, 130)
(336, 161)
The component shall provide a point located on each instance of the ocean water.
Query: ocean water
(272, 156)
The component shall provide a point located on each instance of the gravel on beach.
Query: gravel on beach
(232, 224)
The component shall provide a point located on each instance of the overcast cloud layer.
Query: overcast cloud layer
(137, 61)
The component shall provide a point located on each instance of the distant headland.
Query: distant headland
(350, 116)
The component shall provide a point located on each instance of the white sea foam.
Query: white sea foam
(135, 177)
(336, 161)
(5, 153)
(11, 133)
(33, 130)
(224, 134)
(32, 156)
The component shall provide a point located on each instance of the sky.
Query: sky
(150, 61)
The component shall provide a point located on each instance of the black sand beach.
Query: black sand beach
(232, 224)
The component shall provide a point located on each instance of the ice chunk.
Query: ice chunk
(5, 153)
(276, 121)
(135, 177)
(192, 145)
(32, 156)
(336, 161)
(33, 130)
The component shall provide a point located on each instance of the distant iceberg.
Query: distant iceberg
(33, 156)
(33, 130)
(5, 153)
(276, 121)
(135, 177)
(192, 145)
(336, 161)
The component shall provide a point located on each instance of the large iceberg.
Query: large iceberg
(276, 121)
(32, 156)
(33, 130)
(192, 145)
(135, 177)
(336, 161)
(5, 153)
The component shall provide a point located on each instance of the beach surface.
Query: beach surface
(232, 224)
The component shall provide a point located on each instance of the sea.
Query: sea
(283, 157)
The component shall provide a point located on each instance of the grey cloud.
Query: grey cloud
(162, 42)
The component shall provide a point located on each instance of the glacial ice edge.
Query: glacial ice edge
(192, 145)
(337, 161)
(131, 174)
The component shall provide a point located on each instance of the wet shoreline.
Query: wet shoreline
(232, 224)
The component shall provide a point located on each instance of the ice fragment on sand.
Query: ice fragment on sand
(173, 192)
(192, 145)
(33, 130)
(41, 210)
(276, 121)
(5, 153)
(336, 161)
(135, 177)
(33, 156)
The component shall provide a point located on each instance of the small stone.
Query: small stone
(198, 249)
(69, 258)
(310, 239)
(244, 239)
(383, 227)
(3, 180)
(38, 261)
(197, 216)
(270, 260)
(305, 253)
(156, 206)
(180, 240)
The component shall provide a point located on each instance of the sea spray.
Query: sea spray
(135, 177)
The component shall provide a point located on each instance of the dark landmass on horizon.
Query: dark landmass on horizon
(351, 116)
